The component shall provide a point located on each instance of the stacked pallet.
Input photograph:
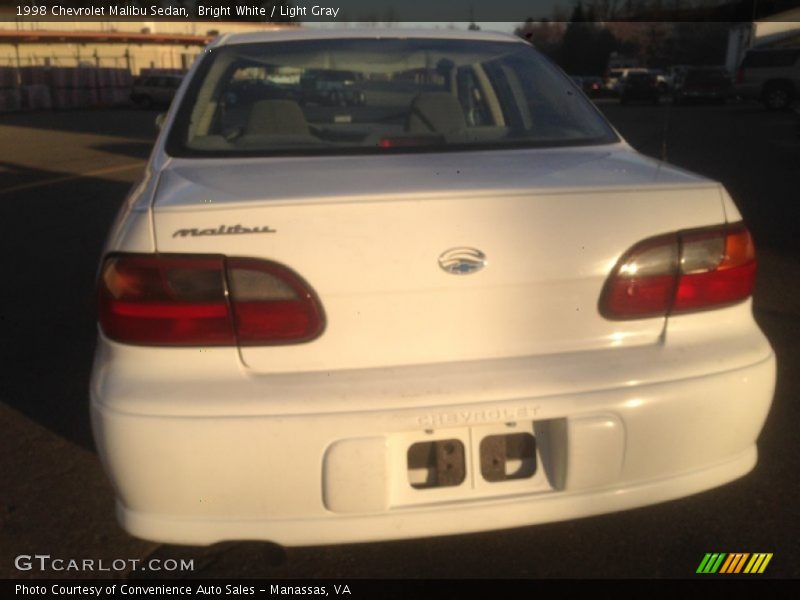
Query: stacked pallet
(73, 87)
(63, 88)
(10, 94)
(113, 86)
(154, 72)
(35, 89)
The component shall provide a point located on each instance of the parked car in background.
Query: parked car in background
(592, 86)
(662, 80)
(466, 305)
(242, 93)
(614, 78)
(332, 88)
(155, 90)
(673, 73)
(771, 76)
(696, 84)
(797, 122)
(611, 81)
(638, 86)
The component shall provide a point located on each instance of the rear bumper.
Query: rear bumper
(432, 521)
(317, 459)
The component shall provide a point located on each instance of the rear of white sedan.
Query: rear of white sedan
(461, 303)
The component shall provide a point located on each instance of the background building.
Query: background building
(70, 64)
(134, 45)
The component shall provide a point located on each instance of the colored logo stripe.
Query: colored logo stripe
(734, 563)
(758, 563)
(721, 562)
(710, 563)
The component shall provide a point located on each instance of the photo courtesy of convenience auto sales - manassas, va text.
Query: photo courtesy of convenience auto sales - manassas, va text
(100, 591)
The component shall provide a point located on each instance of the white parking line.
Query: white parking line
(87, 174)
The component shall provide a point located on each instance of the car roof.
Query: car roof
(308, 33)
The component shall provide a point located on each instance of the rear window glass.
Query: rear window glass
(771, 58)
(366, 95)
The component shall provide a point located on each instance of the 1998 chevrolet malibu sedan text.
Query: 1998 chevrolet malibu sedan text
(461, 303)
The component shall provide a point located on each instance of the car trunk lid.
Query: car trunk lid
(370, 234)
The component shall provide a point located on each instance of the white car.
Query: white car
(465, 304)
(615, 76)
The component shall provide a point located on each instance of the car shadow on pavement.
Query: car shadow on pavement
(247, 559)
(52, 238)
(140, 150)
(127, 122)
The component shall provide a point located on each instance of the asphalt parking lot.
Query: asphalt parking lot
(62, 178)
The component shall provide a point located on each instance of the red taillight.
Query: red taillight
(194, 300)
(682, 272)
(272, 304)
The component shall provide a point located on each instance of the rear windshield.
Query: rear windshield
(378, 95)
